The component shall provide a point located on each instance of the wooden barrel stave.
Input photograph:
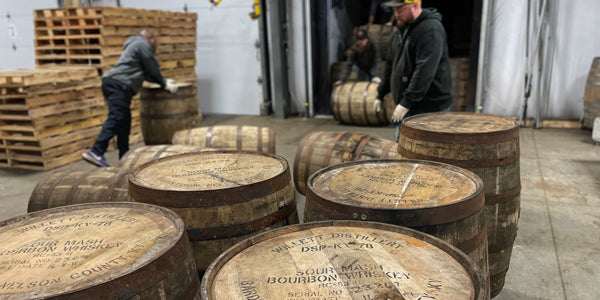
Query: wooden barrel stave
(319, 149)
(65, 187)
(229, 137)
(144, 154)
(352, 103)
(488, 146)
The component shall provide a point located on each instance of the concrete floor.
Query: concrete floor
(557, 251)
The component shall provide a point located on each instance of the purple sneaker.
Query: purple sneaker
(95, 159)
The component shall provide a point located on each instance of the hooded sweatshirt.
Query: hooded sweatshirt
(420, 71)
(136, 64)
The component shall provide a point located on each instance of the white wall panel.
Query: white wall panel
(227, 62)
(18, 52)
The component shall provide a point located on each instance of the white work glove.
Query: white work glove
(376, 80)
(337, 83)
(377, 105)
(170, 86)
(399, 112)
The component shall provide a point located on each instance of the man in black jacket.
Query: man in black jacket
(119, 85)
(364, 57)
(419, 72)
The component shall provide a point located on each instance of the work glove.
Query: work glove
(399, 112)
(337, 83)
(170, 86)
(377, 105)
(376, 80)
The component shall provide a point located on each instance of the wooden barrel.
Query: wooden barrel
(222, 196)
(389, 106)
(352, 103)
(591, 97)
(66, 187)
(459, 70)
(343, 260)
(144, 154)
(228, 137)
(379, 34)
(97, 251)
(320, 149)
(163, 114)
(488, 146)
(434, 198)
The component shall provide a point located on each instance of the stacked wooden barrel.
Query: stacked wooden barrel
(320, 149)
(488, 146)
(434, 198)
(343, 260)
(591, 98)
(222, 196)
(97, 251)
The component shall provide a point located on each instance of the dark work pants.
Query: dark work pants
(118, 98)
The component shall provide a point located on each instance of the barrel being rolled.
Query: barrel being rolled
(438, 199)
(97, 251)
(488, 146)
(144, 154)
(343, 260)
(353, 103)
(66, 187)
(228, 137)
(591, 97)
(320, 149)
(222, 196)
(163, 114)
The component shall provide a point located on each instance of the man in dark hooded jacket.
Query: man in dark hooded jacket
(364, 57)
(119, 85)
(419, 75)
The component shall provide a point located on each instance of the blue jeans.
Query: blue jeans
(118, 98)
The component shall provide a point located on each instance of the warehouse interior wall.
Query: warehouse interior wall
(16, 33)
(227, 57)
(574, 32)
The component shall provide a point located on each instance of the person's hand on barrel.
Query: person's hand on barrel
(376, 80)
(377, 105)
(399, 112)
(171, 86)
(338, 82)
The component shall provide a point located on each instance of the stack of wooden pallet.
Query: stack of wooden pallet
(95, 35)
(49, 116)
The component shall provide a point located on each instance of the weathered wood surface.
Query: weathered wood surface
(343, 260)
(320, 149)
(591, 96)
(352, 103)
(164, 114)
(438, 199)
(66, 187)
(144, 154)
(97, 251)
(222, 196)
(228, 137)
(488, 146)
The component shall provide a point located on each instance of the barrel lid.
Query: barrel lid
(460, 127)
(72, 248)
(417, 191)
(343, 260)
(209, 178)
